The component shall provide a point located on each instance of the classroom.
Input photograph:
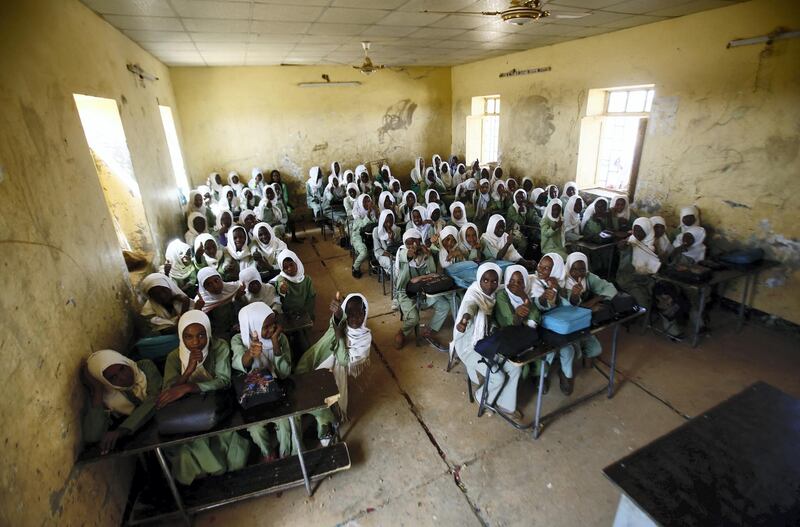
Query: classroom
(400, 262)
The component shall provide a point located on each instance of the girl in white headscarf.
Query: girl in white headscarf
(332, 203)
(432, 181)
(570, 190)
(268, 211)
(261, 344)
(514, 306)
(552, 192)
(215, 184)
(349, 200)
(460, 174)
(207, 253)
(572, 218)
(407, 204)
(165, 303)
(663, 247)
(469, 239)
(178, 266)
(119, 387)
(235, 181)
(473, 323)
(523, 219)
(257, 291)
(596, 219)
(248, 200)
(265, 247)
(201, 364)
(419, 221)
(386, 237)
(415, 263)
(690, 222)
(497, 244)
(215, 298)
(445, 175)
(690, 243)
(449, 248)
(295, 288)
(436, 224)
(458, 215)
(621, 215)
(228, 201)
(539, 201)
(343, 349)
(197, 204)
(552, 229)
(256, 182)
(363, 216)
(396, 189)
(198, 224)
(239, 248)
(638, 261)
(314, 191)
(364, 182)
(386, 201)
(500, 195)
(248, 220)
(483, 204)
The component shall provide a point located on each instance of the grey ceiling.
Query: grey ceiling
(264, 32)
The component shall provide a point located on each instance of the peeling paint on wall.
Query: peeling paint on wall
(398, 116)
(533, 116)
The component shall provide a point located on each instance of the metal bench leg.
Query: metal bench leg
(743, 305)
(172, 487)
(613, 362)
(299, 448)
(536, 421)
(701, 310)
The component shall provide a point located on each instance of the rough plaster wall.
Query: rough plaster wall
(238, 118)
(724, 131)
(65, 290)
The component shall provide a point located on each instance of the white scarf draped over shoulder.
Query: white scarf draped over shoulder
(194, 317)
(572, 258)
(251, 320)
(498, 242)
(214, 300)
(113, 396)
(163, 318)
(485, 303)
(538, 283)
(572, 219)
(644, 258)
(301, 270)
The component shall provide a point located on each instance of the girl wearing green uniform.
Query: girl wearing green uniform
(179, 267)
(552, 228)
(216, 298)
(363, 215)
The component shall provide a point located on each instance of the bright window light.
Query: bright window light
(175, 155)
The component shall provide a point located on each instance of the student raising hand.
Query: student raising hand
(167, 267)
(462, 324)
(255, 345)
(524, 309)
(240, 291)
(284, 288)
(336, 306)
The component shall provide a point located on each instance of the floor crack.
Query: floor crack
(647, 391)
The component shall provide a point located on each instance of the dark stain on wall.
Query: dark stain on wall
(782, 150)
(735, 204)
(398, 116)
(534, 116)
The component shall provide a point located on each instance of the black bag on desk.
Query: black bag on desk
(432, 285)
(512, 340)
(623, 303)
(694, 274)
(602, 313)
(258, 387)
(197, 412)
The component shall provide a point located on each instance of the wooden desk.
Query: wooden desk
(311, 391)
(736, 464)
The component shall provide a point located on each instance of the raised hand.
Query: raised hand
(336, 304)
(167, 267)
(283, 288)
(256, 347)
(199, 303)
(240, 291)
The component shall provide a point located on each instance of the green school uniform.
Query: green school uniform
(210, 455)
(98, 420)
(504, 316)
(639, 286)
(299, 298)
(357, 242)
(408, 305)
(594, 286)
(551, 238)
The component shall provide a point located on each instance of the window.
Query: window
(483, 129)
(105, 136)
(612, 135)
(175, 155)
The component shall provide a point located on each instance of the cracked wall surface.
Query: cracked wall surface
(724, 132)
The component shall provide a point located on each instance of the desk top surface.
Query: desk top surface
(736, 464)
(308, 392)
(724, 275)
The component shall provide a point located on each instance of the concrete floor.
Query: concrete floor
(420, 456)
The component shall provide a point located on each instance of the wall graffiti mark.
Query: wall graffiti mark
(398, 116)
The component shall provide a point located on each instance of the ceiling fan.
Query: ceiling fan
(367, 67)
(518, 12)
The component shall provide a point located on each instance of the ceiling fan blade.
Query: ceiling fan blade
(489, 13)
(556, 14)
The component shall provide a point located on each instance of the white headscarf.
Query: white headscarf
(212, 300)
(534, 197)
(514, 200)
(382, 233)
(163, 318)
(359, 209)
(187, 319)
(405, 194)
(548, 211)
(220, 216)
(475, 295)
(571, 259)
(192, 233)
(463, 221)
(570, 184)
(425, 228)
(697, 251)
(213, 185)
(428, 193)
(113, 399)
(572, 219)
(589, 212)
(398, 195)
(416, 172)
(481, 199)
(331, 180)
(662, 243)
(348, 177)
(201, 241)
(446, 176)
(644, 258)
(462, 236)
(245, 203)
(333, 169)
(273, 248)
(254, 185)
(626, 212)
(538, 285)
(548, 188)
(251, 320)
(691, 210)
(431, 179)
(458, 177)
(447, 231)
(314, 179)
(191, 207)
(517, 301)
(244, 215)
(243, 254)
(359, 340)
(498, 184)
(301, 270)
(382, 199)
(431, 208)
(272, 204)
(175, 252)
(402, 254)
(266, 294)
(238, 186)
(498, 242)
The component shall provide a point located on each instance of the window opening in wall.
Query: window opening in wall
(612, 136)
(102, 126)
(175, 154)
(483, 129)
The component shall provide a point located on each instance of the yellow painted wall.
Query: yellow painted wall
(65, 290)
(724, 131)
(238, 118)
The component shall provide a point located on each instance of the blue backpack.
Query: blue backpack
(567, 319)
(465, 273)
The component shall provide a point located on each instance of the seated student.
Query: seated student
(235, 182)
(522, 220)
(419, 221)
(595, 220)
(474, 322)
(465, 193)
(381, 180)
(497, 175)
(436, 162)
(570, 189)
(572, 219)
(268, 211)
(416, 177)
(483, 204)
(446, 175)
(295, 288)
(261, 344)
(202, 363)
(547, 293)
(638, 261)
(256, 183)
(350, 199)
(436, 224)
(433, 182)
(343, 349)
(214, 182)
(475, 170)
(248, 220)
(514, 306)
(333, 203)
(552, 229)
(585, 289)
(432, 197)
(469, 241)
(500, 196)
(511, 187)
(224, 223)
(498, 245)
(178, 266)
(197, 204)
(265, 248)
(409, 202)
(621, 216)
(386, 202)
(207, 254)
(165, 303)
(552, 192)
(363, 216)
(314, 189)
(363, 180)
(385, 236)
(228, 201)
(528, 186)
(282, 190)
(458, 215)
(449, 249)
(396, 189)
(248, 200)
(122, 395)
(663, 247)
(257, 291)
(286, 221)
(216, 299)
(460, 174)
(197, 224)
(239, 250)
(413, 264)
(539, 200)
(689, 246)
(690, 217)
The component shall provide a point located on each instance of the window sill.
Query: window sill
(604, 192)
